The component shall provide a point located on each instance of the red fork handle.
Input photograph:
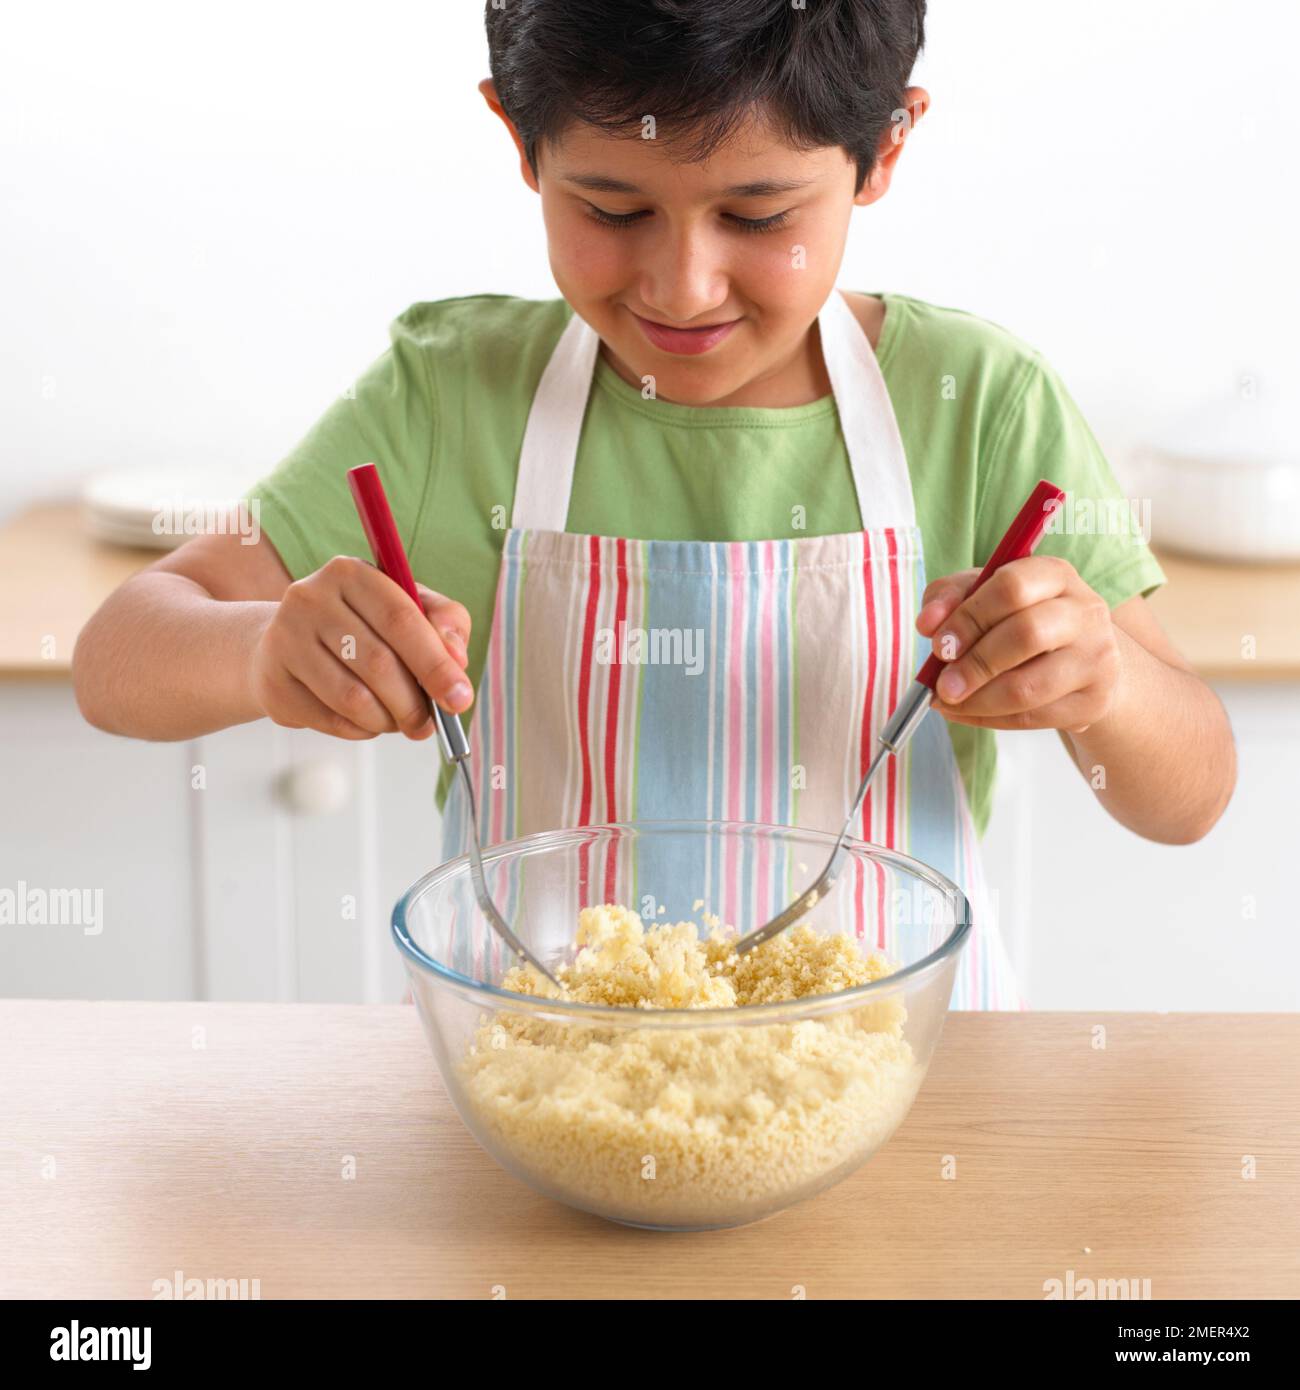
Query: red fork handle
(380, 528)
(1022, 536)
(390, 559)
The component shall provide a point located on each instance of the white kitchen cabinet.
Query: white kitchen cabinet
(1098, 918)
(263, 864)
(256, 864)
(305, 844)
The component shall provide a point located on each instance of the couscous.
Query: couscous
(686, 1125)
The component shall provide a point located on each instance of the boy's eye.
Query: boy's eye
(760, 224)
(615, 219)
(744, 224)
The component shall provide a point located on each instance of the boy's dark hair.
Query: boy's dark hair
(829, 72)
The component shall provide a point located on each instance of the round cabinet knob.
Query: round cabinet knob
(314, 788)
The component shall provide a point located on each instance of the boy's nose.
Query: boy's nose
(683, 280)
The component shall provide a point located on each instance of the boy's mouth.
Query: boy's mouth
(686, 341)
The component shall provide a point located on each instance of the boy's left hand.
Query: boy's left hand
(1034, 647)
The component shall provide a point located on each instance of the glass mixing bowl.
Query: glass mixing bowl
(680, 1119)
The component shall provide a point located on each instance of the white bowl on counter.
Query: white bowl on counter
(1225, 484)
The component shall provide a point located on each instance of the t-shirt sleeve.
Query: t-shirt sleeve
(1042, 434)
(386, 418)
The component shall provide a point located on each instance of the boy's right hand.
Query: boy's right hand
(349, 654)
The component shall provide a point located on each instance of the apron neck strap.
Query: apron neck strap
(550, 447)
(867, 420)
(871, 436)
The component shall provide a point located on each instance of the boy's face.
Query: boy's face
(703, 276)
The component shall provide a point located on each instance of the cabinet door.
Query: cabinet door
(1103, 919)
(306, 843)
(244, 870)
(88, 818)
(363, 828)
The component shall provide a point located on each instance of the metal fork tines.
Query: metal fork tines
(460, 757)
(907, 715)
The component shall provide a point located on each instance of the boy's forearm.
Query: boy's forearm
(163, 659)
(1162, 761)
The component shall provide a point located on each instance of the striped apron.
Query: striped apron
(740, 681)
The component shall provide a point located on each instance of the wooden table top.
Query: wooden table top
(130, 1151)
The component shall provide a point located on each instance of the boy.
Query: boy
(703, 450)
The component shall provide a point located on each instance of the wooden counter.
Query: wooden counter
(1210, 610)
(53, 576)
(132, 1152)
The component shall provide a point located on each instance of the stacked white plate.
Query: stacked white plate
(161, 510)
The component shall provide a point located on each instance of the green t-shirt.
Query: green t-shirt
(442, 413)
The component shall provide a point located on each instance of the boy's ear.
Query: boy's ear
(489, 90)
(916, 102)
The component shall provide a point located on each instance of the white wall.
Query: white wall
(210, 213)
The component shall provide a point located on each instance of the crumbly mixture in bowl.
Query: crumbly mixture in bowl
(692, 1126)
